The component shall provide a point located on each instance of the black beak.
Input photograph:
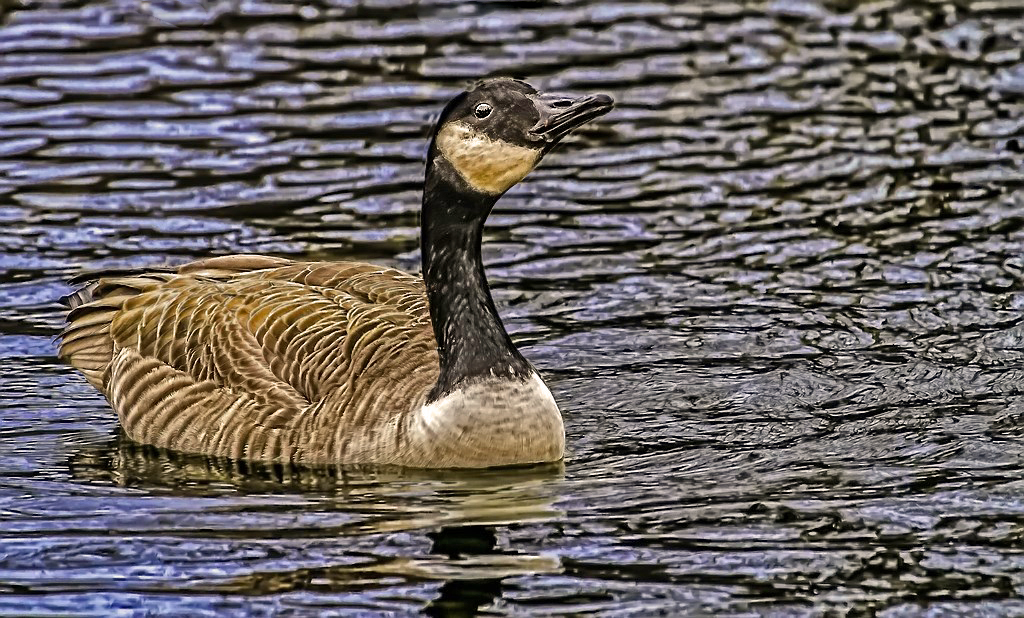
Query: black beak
(561, 114)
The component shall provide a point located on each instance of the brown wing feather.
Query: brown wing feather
(258, 357)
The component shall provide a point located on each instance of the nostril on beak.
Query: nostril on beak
(562, 103)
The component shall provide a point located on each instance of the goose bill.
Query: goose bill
(560, 115)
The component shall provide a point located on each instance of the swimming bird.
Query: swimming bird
(262, 358)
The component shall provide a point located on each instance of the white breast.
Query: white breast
(493, 423)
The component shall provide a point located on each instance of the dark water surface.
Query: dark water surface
(778, 293)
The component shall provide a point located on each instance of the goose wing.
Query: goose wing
(257, 357)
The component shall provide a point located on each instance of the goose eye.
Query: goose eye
(482, 111)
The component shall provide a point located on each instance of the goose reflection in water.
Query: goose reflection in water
(453, 520)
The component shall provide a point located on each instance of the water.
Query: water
(777, 293)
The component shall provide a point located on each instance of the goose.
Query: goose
(261, 358)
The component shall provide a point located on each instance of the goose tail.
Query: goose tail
(85, 342)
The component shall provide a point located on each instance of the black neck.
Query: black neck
(471, 340)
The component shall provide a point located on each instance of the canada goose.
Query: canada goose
(263, 358)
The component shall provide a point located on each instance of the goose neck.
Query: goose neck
(472, 342)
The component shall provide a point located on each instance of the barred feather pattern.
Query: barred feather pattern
(261, 358)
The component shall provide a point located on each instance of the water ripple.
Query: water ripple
(776, 292)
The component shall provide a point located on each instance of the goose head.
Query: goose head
(491, 136)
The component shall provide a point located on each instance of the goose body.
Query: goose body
(262, 358)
